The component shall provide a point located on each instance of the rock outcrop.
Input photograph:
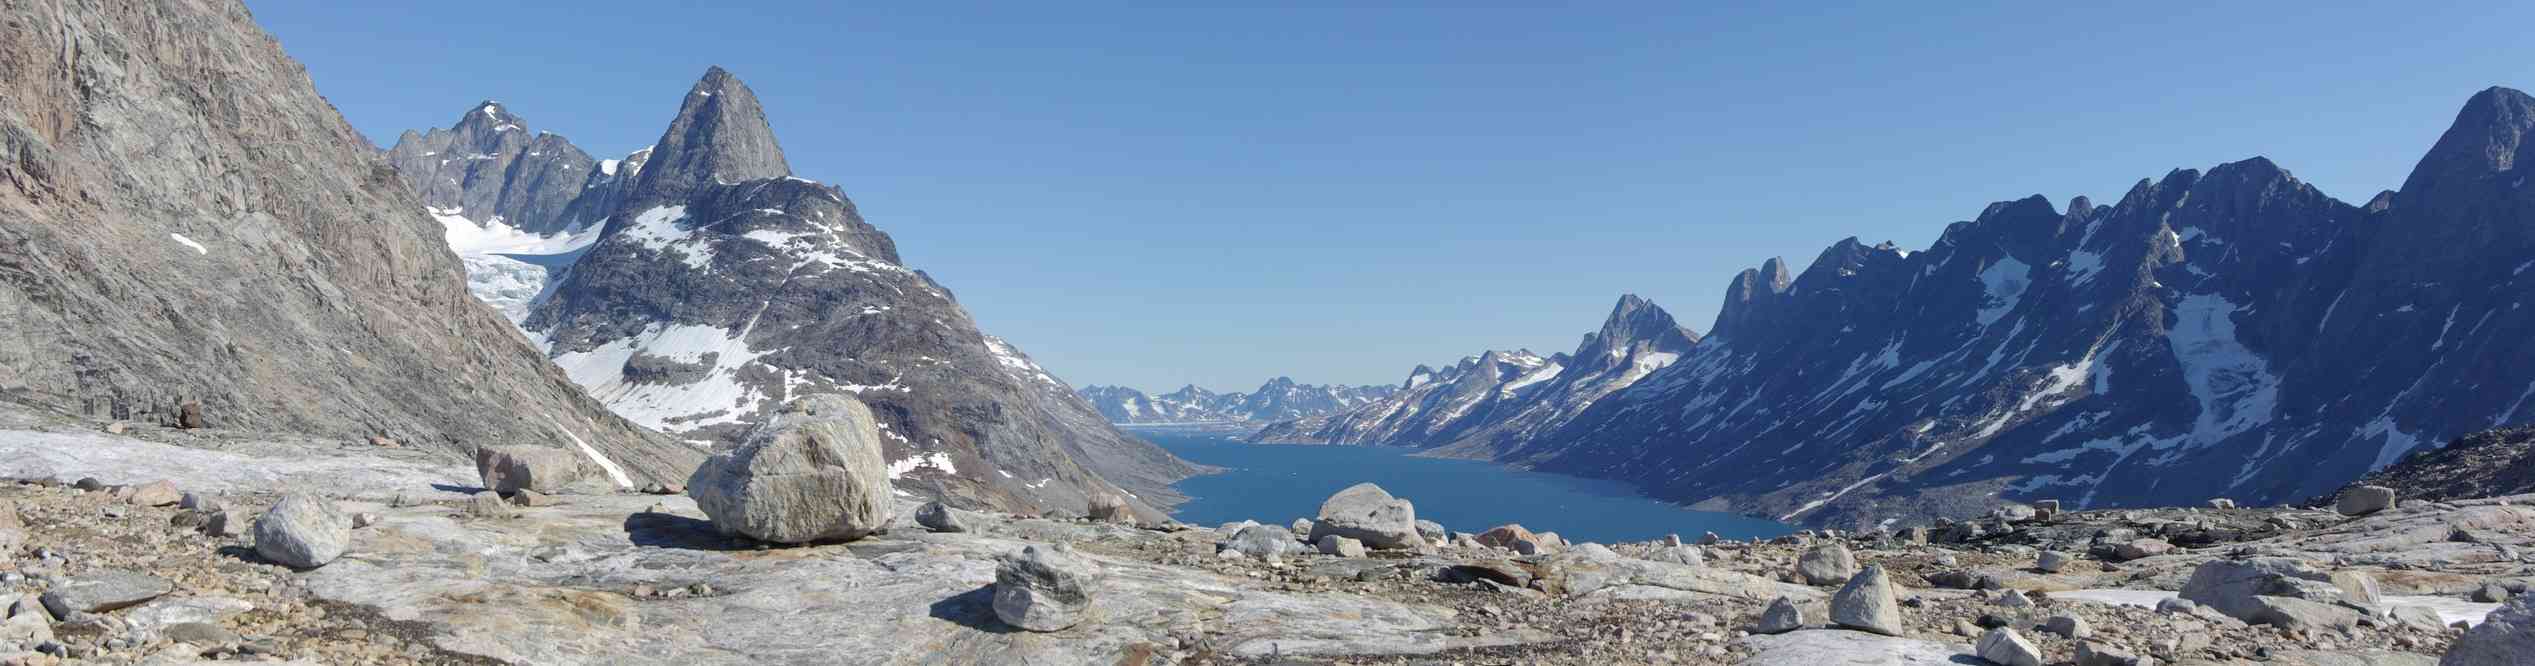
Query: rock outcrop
(813, 473)
(191, 223)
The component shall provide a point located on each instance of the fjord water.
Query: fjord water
(1278, 483)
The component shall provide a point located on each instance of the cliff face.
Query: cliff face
(188, 221)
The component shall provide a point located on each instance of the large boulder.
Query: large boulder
(1366, 513)
(814, 472)
(509, 469)
(2364, 500)
(1826, 564)
(1108, 507)
(1045, 588)
(2506, 637)
(303, 532)
(1868, 603)
(2232, 587)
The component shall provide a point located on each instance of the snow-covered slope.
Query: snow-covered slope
(697, 285)
(1277, 400)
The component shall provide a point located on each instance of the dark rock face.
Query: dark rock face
(2492, 463)
(2230, 333)
(188, 221)
(2235, 333)
(1280, 399)
(489, 168)
(720, 287)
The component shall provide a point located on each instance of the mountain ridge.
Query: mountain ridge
(2230, 332)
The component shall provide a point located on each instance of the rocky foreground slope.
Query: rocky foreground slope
(195, 236)
(115, 567)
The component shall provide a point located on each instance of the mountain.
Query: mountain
(698, 284)
(1495, 401)
(517, 207)
(1277, 400)
(2230, 333)
(190, 222)
(1635, 341)
(1430, 406)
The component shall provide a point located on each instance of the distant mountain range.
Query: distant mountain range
(1279, 399)
(697, 285)
(2229, 333)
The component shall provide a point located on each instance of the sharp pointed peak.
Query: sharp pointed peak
(720, 135)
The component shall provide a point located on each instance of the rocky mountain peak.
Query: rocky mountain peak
(1635, 322)
(720, 135)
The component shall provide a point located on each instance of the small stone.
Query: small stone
(156, 493)
(2069, 626)
(937, 516)
(189, 416)
(489, 505)
(2045, 509)
(2363, 500)
(364, 519)
(525, 498)
(198, 633)
(2091, 653)
(1044, 588)
(228, 522)
(2490, 594)
(1331, 544)
(2053, 561)
(103, 590)
(89, 484)
(2003, 646)
(1782, 616)
(1826, 564)
(198, 502)
(1269, 543)
(545, 469)
(303, 532)
(1505, 536)
(1868, 603)
(2222, 503)
(383, 442)
(1432, 531)
(2176, 605)
(2141, 548)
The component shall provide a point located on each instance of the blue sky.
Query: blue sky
(1153, 197)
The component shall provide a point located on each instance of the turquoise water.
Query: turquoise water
(1276, 484)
